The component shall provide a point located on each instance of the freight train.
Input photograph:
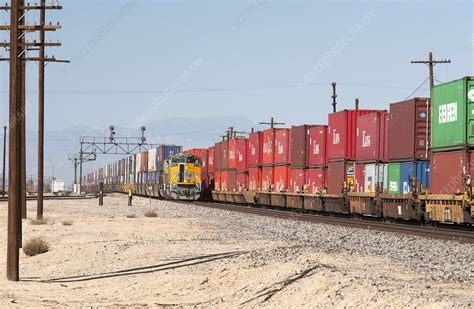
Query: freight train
(412, 162)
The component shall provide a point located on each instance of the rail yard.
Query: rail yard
(237, 154)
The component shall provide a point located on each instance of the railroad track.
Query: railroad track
(444, 233)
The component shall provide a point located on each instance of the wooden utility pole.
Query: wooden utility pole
(39, 206)
(14, 162)
(19, 47)
(431, 63)
(272, 123)
(4, 159)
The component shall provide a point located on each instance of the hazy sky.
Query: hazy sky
(189, 69)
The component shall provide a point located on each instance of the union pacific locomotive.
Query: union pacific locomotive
(182, 177)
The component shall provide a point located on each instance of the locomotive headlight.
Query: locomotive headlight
(185, 167)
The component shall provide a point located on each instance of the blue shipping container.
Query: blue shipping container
(419, 170)
(164, 152)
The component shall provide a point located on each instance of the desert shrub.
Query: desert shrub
(35, 246)
(151, 214)
(68, 223)
(39, 221)
(131, 216)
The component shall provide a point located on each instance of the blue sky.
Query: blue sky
(251, 55)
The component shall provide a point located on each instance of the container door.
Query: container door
(423, 173)
(470, 115)
(407, 171)
(394, 178)
(370, 179)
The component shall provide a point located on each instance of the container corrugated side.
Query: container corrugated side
(317, 146)
(409, 130)
(342, 128)
(453, 120)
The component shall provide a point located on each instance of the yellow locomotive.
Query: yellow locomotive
(182, 177)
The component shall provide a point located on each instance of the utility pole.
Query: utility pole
(14, 162)
(334, 96)
(272, 123)
(431, 63)
(4, 158)
(39, 205)
(18, 55)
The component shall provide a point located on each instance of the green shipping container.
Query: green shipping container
(394, 178)
(452, 123)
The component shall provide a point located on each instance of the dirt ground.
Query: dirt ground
(190, 256)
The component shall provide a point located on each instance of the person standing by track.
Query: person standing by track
(130, 196)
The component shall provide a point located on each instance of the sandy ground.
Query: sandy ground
(195, 257)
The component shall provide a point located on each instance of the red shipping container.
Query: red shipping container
(315, 179)
(232, 154)
(372, 137)
(255, 178)
(268, 147)
(201, 153)
(224, 155)
(254, 149)
(242, 181)
(359, 178)
(144, 162)
(448, 170)
(217, 181)
(282, 146)
(229, 181)
(241, 155)
(410, 130)
(297, 180)
(342, 130)
(317, 148)
(299, 145)
(267, 178)
(281, 180)
(210, 160)
(217, 156)
(338, 173)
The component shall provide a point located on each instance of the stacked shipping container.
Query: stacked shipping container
(254, 161)
(276, 157)
(371, 169)
(452, 139)
(308, 158)
(409, 151)
(341, 143)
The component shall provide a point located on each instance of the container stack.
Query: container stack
(254, 161)
(409, 149)
(276, 160)
(371, 167)
(241, 164)
(316, 174)
(452, 140)
(341, 143)
(308, 158)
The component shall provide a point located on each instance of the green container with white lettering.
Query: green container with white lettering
(452, 122)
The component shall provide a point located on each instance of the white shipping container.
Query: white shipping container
(138, 162)
(375, 174)
(152, 160)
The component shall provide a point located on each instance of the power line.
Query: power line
(416, 90)
(198, 90)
